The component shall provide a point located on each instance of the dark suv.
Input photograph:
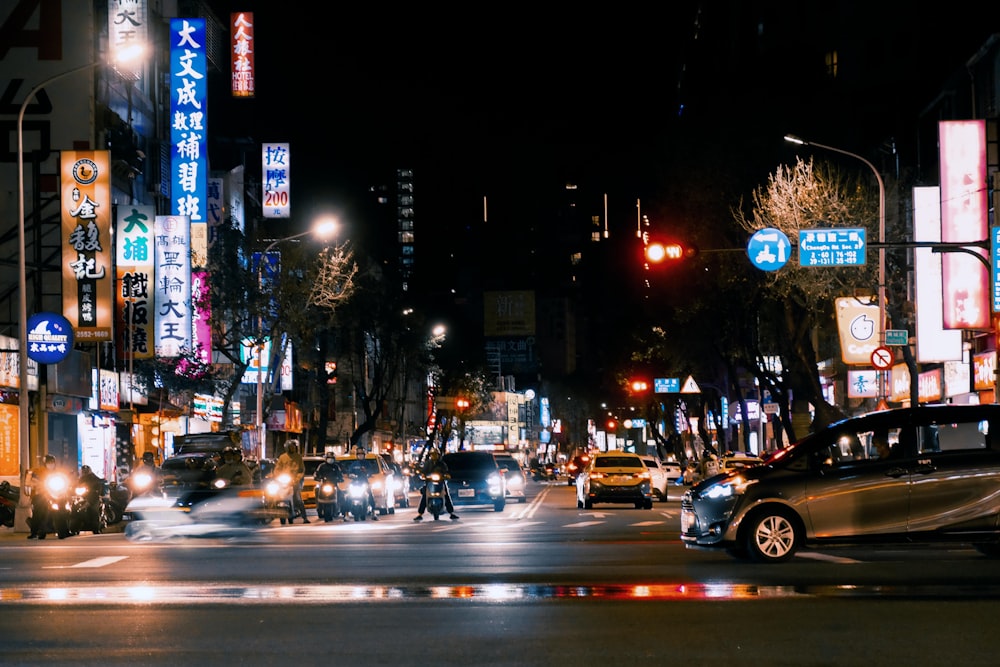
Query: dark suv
(475, 479)
(929, 473)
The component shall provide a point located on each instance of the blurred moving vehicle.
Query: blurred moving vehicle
(227, 512)
(614, 477)
(925, 474)
(380, 478)
(658, 479)
(576, 465)
(515, 478)
(475, 479)
(675, 474)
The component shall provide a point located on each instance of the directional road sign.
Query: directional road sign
(832, 247)
(769, 249)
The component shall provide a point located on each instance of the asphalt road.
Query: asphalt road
(540, 583)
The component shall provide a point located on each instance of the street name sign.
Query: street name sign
(832, 247)
(896, 337)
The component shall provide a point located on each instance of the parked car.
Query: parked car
(575, 466)
(514, 476)
(936, 479)
(379, 477)
(658, 480)
(475, 479)
(614, 477)
(675, 474)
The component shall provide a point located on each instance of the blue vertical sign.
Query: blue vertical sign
(995, 266)
(188, 120)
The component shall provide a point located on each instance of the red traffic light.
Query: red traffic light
(462, 404)
(638, 386)
(658, 252)
(612, 424)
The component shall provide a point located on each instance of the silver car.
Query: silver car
(924, 474)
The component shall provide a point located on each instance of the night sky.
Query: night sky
(511, 101)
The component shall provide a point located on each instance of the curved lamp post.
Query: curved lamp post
(323, 229)
(881, 236)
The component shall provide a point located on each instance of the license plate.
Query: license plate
(466, 493)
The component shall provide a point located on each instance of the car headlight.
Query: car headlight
(730, 487)
(515, 482)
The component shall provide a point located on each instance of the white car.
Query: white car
(659, 475)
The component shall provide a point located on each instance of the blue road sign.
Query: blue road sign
(832, 247)
(666, 385)
(769, 249)
(995, 251)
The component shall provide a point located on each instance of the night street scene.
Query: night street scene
(498, 335)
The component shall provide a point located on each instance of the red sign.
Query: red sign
(882, 358)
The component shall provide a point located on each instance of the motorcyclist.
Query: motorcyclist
(90, 516)
(329, 471)
(233, 469)
(358, 469)
(137, 480)
(291, 462)
(34, 484)
(434, 463)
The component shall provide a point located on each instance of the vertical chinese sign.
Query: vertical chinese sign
(134, 262)
(276, 168)
(964, 219)
(86, 250)
(241, 42)
(127, 32)
(189, 189)
(172, 259)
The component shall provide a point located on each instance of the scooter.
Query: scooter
(86, 512)
(327, 500)
(222, 511)
(435, 491)
(9, 497)
(58, 495)
(278, 497)
(357, 499)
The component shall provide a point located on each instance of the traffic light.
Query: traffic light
(461, 404)
(612, 425)
(638, 386)
(658, 252)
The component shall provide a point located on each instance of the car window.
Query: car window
(950, 437)
(458, 462)
(617, 462)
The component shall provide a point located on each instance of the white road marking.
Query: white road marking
(93, 562)
(582, 524)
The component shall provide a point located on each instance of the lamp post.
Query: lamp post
(22, 275)
(881, 236)
(323, 229)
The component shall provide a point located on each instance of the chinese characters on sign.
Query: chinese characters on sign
(276, 168)
(86, 250)
(832, 247)
(134, 262)
(127, 20)
(188, 118)
(241, 42)
(172, 257)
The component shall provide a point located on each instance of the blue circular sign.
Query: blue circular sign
(769, 249)
(50, 337)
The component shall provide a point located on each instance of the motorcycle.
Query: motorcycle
(278, 497)
(435, 490)
(86, 511)
(220, 511)
(327, 500)
(58, 495)
(9, 497)
(358, 505)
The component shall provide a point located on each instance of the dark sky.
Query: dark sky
(503, 99)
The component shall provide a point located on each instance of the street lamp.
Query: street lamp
(881, 235)
(323, 229)
(22, 275)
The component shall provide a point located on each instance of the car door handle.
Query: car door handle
(924, 469)
(895, 472)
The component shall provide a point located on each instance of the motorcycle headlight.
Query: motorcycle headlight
(284, 478)
(142, 480)
(327, 487)
(56, 483)
(272, 488)
(435, 477)
(80, 490)
(220, 483)
(376, 485)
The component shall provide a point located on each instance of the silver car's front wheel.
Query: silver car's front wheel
(771, 538)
